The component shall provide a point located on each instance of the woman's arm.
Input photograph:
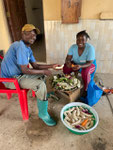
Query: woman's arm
(68, 61)
(87, 64)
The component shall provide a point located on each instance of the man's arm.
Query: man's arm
(26, 70)
(43, 66)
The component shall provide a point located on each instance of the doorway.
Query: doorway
(34, 14)
(20, 12)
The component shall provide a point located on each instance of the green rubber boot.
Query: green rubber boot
(43, 114)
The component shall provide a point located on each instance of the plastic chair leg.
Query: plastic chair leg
(9, 95)
(33, 93)
(23, 104)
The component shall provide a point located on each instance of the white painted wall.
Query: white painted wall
(59, 37)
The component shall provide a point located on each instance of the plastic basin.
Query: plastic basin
(77, 131)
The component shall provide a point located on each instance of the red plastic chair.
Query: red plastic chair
(22, 94)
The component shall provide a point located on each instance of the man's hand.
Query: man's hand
(58, 67)
(47, 72)
(54, 66)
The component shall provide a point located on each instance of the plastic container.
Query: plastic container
(77, 131)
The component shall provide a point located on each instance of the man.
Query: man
(15, 65)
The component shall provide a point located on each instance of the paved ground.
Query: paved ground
(16, 134)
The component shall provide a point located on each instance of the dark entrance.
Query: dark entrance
(20, 12)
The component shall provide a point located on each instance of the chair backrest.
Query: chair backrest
(1, 84)
(12, 80)
(0, 71)
(1, 58)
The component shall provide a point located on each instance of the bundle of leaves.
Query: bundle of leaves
(65, 82)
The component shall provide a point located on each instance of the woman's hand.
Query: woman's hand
(69, 64)
(68, 61)
(76, 67)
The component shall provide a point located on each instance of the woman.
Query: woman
(81, 57)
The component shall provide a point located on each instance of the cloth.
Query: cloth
(33, 82)
(18, 54)
(87, 73)
(87, 55)
(94, 93)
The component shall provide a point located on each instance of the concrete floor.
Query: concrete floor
(15, 134)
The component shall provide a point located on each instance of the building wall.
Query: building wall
(59, 37)
(91, 9)
(5, 39)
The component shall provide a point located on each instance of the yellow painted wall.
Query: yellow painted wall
(52, 9)
(90, 8)
(5, 39)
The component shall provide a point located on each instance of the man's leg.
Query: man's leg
(31, 82)
(86, 75)
(38, 85)
(35, 83)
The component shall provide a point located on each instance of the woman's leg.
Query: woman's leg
(67, 70)
(86, 75)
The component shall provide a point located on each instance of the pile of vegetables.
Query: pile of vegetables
(79, 118)
(65, 82)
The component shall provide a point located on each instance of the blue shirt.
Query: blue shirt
(87, 55)
(18, 54)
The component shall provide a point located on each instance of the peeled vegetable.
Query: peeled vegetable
(59, 67)
(65, 82)
(76, 118)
